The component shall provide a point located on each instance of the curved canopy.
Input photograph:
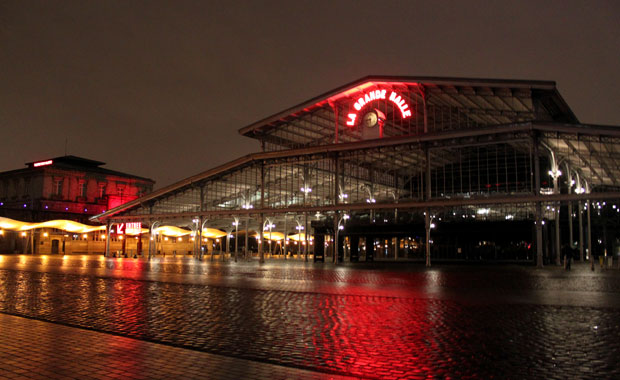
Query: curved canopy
(300, 237)
(178, 231)
(61, 224)
(275, 236)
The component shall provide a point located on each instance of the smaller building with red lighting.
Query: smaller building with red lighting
(66, 187)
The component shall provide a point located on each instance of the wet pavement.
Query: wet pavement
(392, 320)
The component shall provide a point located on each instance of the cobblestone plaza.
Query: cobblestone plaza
(93, 317)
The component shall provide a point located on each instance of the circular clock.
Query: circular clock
(370, 119)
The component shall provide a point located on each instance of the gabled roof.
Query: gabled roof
(463, 88)
(69, 160)
(73, 163)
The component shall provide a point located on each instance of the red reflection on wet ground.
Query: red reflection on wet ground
(372, 324)
(375, 337)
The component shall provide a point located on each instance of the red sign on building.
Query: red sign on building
(134, 228)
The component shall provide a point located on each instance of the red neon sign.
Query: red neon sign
(373, 95)
(120, 228)
(43, 163)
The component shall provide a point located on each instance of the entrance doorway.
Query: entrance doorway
(55, 245)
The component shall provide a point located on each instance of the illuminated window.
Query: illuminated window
(83, 189)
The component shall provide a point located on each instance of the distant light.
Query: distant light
(482, 211)
(346, 216)
(85, 210)
(45, 234)
(102, 237)
(25, 205)
(85, 236)
(1, 203)
(306, 190)
(433, 225)
(46, 207)
(341, 227)
(66, 208)
(23, 234)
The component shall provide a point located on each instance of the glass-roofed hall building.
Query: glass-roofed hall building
(406, 168)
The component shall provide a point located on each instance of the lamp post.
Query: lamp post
(341, 222)
(236, 224)
(285, 240)
(299, 229)
(268, 225)
(246, 206)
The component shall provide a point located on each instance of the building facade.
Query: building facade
(412, 168)
(65, 188)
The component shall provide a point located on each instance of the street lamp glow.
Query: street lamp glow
(306, 190)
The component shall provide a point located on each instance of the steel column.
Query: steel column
(107, 239)
(580, 208)
(261, 255)
(539, 238)
(427, 214)
(336, 213)
(247, 235)
(590, 252)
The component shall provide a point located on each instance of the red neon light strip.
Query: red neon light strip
(43, 163)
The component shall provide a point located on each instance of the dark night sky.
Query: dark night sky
(160, 88)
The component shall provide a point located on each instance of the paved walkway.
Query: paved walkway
(400, 321)
(31, 349)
